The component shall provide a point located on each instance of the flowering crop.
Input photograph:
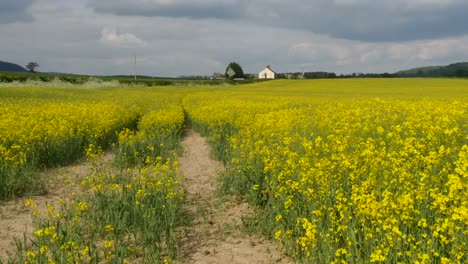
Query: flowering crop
(346, 176)
(341, 171)
(44, 127)
(157, 136)
(37, 133)
(119, 215)
(117, 218)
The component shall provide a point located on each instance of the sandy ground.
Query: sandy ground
(215, 235)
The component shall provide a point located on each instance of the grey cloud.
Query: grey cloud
(197, 9)
(364, 20)
(374, 21)
(13, 11)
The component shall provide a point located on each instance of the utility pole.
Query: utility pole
(134, 67)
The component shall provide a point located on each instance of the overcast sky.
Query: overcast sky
(199, 37)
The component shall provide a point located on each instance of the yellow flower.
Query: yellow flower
(140, 193)
(108, 244)
(30, 254)
(39, 233)
(44, 249)
(28, 202)
(445, 260)
(278, 234)
(108, 228)
(48, 231)
(82, 206)
(377, 256)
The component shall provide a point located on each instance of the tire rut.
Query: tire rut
(215, 234)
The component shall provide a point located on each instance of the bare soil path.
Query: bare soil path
(215, 235)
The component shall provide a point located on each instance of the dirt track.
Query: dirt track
(215, 235)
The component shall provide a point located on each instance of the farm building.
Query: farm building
(267, 73)
(218, 76)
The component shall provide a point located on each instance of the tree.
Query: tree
(461, 73)
(234, 70)
(32, 66)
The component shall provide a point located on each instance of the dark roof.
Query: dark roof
(268, 67)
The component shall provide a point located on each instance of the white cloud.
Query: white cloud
(356, 56)
(128, 40)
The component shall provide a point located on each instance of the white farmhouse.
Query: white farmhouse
(267, 73)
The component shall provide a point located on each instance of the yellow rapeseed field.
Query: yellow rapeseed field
(340, 171)
(348, 171)
(121, 214)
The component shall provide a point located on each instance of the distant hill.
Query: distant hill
(11, 67)
(459, 69)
